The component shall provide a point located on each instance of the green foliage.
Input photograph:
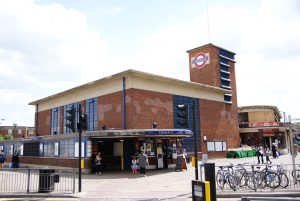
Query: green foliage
(6, 137)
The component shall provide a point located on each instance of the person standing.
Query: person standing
(98, 164)
(274, 150)
(260, 155)
(15, 161)
(2, 158)
(267, 153)
(134, 165)
(143, 162)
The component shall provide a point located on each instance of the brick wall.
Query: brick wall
(110, 111)
(44, 122)
(145, 107)
(218, 122)
(210, 73)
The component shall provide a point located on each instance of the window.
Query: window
(9, 131)
(55, 121)
(77, 149)
(41, 149)
(92, 113)
(31, 149)
(216, 146)
(19, 131)
(56, 149)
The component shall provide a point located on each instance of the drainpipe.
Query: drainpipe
(124, 103)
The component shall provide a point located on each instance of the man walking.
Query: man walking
(143, 162)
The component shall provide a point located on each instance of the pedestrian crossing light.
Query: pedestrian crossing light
(83, 121)
(183, 115)
(71, 119)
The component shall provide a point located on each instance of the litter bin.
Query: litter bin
(46, 180)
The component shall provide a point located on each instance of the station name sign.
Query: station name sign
(169, 132)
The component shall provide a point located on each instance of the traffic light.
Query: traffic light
(83, 122)
(71, 119)
(183, 114)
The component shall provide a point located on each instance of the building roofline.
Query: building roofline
(270, 107)
(209, 44)
(132, 72)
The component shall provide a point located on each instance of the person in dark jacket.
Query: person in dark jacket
(15, 161)
(143, 162)
(274, 150)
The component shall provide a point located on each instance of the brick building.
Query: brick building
(122, 109)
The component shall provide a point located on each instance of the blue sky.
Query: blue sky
(50, 46)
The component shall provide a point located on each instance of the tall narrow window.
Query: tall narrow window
(55, 121)
(92, 113)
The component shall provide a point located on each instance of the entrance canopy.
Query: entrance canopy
(144, 133)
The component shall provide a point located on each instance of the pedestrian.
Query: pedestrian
(134, 165)
(97, 164)
(2, 158)
(15, 161)
(277, 151)
(267, 153)
(260, 155)
(143, 162)
(274, 150)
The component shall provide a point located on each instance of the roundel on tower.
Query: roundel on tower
(200, 60)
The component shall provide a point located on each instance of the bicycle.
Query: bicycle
(225, 175)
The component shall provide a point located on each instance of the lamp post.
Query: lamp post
(15, 130)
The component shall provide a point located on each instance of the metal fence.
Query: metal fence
(28, 180)
(292, 182)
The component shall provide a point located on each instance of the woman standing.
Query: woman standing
(143, 162)
(97, 163)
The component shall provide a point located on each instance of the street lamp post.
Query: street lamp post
(15, 130)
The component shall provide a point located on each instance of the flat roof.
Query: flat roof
(209, 44)
(132, 72)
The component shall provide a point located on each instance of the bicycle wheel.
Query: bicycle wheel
(255, 180)
(284, 180)
(296, 175)
(272, 179)
(233, 182)
(241, 176)
(220, 179)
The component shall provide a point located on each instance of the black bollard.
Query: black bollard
(209, 171)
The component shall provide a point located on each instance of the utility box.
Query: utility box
(200, 190)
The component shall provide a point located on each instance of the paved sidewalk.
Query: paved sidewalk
(158, 184)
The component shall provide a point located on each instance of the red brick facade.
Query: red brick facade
(44, 123)
(145, 107)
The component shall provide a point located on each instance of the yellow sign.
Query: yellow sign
(193, 161)
(82, 164)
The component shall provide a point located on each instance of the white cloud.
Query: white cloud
(41, 44)
(45, 49)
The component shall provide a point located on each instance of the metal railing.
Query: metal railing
(32, 180)
(291, 183)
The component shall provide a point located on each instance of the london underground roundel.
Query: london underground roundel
(200, 60)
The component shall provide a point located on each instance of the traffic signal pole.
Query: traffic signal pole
(195, 139)
(79, 141)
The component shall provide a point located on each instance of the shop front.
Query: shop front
(161, 147)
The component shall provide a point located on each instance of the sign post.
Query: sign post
(195, 139)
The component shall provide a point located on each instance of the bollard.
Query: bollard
(209, 171)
